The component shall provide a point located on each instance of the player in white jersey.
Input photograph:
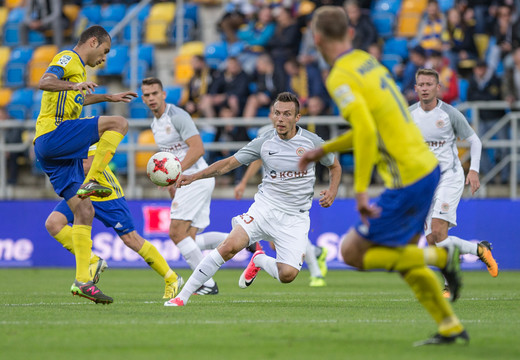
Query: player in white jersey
(174, 131)
(280, 212)
(441, 124)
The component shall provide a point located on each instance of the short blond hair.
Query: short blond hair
(427, 72)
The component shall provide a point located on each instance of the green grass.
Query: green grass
(357, 316)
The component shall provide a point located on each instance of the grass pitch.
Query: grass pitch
(357, 316)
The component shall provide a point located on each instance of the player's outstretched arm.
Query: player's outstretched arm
(220, 167)
(252, 169)
(50, 82)
(328, 195)
(125, 96)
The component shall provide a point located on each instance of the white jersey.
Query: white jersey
(170, 132)
(283, 185)
(440, 128)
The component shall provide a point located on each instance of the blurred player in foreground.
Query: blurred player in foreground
(280, 212)
(383, 134)
(113, 212)
(174, 131)
(441, 124)
(315, 256)
(62, 141)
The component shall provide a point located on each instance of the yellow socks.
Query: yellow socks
(436, 256)
(82, 249)
(151, 255)
(64, 237)
(106, 149)
(393, 259)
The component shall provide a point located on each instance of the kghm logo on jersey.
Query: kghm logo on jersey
(300, 151)
(285, 175)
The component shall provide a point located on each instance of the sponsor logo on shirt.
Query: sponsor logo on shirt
(64, 60)
(284, 175)
(300, 151)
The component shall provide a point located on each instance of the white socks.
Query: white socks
(192, 254)
(312, 262)
(465, 247)
(201, 274)
(210, 240)
(268, 264)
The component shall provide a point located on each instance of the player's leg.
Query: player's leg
(210, 240)
(236, 241)
(316, 279)
(111, 130)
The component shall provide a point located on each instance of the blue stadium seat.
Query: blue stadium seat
(445, 5)
(11, 32)
(116, 60)
(396, 46)
(119, 162)
(92, 13)
(347, 162)
(113, 12)
(142, 69)
(141, 18)
(36, 104)
(463, 89)
(138, 110)
(173, 94)
(191, 12)
(36, 38)
(384, 23)
(215, 54)
(20, 104)
(15, 69)
(146, 52)
(188, 31)
(392, 6)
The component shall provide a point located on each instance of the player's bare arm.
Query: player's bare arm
(50, 82)
(252, 169)
(473, 180)
(126, 97)
(310, 156)
(195, 151)
(365, 209)
(220, 167)
(328, 195)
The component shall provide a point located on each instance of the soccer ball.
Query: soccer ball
(163, 168)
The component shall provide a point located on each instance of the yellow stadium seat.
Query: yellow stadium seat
(40, 60)
(3, 15)
(192, 48)
(156, 33)
(164, 11)
(142, 157)
(71, 11)
(482, 43)
(13, 3)
(408, 25)
(183, 71)
(413, 6)
(5, 96)
(306, 7)
(5, 51)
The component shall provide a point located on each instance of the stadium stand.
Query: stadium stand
(158, 23)
(16, 67)
(40, 60)
(5, 96)
(20, 104)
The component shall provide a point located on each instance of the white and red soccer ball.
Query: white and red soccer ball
(163, 168)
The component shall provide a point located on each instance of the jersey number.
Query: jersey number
(387, 83)
(248, 219)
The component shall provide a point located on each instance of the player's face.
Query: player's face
(427, 88)
(285, 119)
(153, 96)
(98, 53)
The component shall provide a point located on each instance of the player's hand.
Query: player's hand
(310, 156)
(184, 180)
(85, 87)
(327, 198)
(473, 181)
(239, 190)
(126, 96)
(365, 209)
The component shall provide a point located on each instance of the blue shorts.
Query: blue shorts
(112, 213)
(403, 212)
(61, 153)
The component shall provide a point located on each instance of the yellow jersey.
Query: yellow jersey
(108, 180)
(383, 132)
(58, 106)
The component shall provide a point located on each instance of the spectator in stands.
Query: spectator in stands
(197, 86)
(12, 136)
(405, 73)
(507, 36)
(458, 42)
(481, 9)
(316, 106)
(285, 43)
(308, 54)
(431, 27)
(510, 82)
(236, 14)
(228, 91)
(365, 33)
(45, 16)
(447, 76)
(484, 85)
(267, 86)
(305, 82)
(255, 34)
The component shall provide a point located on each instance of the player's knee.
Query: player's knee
(84, 213)
(121, 124)
(228, 249)
(52, 225)
(350, 255)
(435, 237)
(287, 276)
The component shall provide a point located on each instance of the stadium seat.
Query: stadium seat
(215, 54)
(119, 162)
(71, 11)
(192, 48)
(141, 18)
(113, 12)
(40, 60)
(164, 11)
(4, 12)
(173, 94)
(305, 7)
(158, 23)
(384, 23)
(5, 52)
(20, 104)
(391, 6)
(183, 71)
(5, 96)
(116, 60)
(142, 70)
(138, 110)
(11, 4)
(146, 52)
(141, 157)
(11, 33)
(407, 25)
(390, 60)
(188, 32)
(36, 38)
(413, 6)
(396, 46)
(445, 5)
(482, 44)
(36, 104)
(191, 12)
(16, 68)
(463, 89)
(88, 16)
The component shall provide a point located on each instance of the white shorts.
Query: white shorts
(288, 232)
(446, 199)
(192, 202)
